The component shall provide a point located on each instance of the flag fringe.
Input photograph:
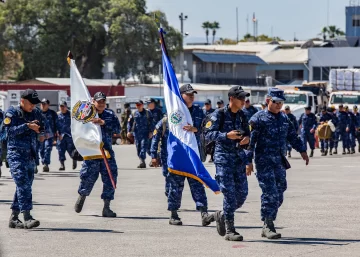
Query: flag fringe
(189, 175)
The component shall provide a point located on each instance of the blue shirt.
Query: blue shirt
(249, 112)
(141, 124)
(111, 127)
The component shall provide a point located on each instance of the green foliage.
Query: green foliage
(43, 31)
(331, 32)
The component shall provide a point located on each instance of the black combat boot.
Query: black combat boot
(269, 231)
(107, 212)
(352, 150)
(46, 168)
(312, 153)
(36, 170)
(220, 223)
(231, 234)
(335, 152)
(62, 165)
(79, 203)
(14, 221)
(174, 219)
(331, 153)
(348, 151)
(289, 154)
(206, 218)
(30, 222)
(74, 166)
(142, 164)
(326, 152)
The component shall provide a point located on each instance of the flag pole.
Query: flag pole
(69, 58)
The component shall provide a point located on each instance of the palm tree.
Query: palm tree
(324, 32)
(334, 31)
(214, 26)
(206, 25)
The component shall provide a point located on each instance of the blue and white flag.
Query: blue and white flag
(183, 152)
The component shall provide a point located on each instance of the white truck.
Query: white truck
(308, 94)
(12, 98)
(344, 87)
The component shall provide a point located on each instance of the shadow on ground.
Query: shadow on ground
(76, 230)
(308, 241)
(34, 203)
(132, 218)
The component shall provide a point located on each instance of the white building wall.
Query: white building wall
(348, 57)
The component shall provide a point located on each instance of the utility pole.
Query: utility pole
(182, 18)
(237, 26)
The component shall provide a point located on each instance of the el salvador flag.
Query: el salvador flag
(183, 152)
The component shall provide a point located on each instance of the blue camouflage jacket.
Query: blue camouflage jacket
(352, 121)
(226, 151)
(197, 116)
(21, 140)
(111, 127)
(269, 136)
(206, 113)
(141, 124)
(344, 121)
(307, 122)
(249, 112)
(293, 120)
(156, 114)
(51, 119)
(160, 135)
(357, 118)
(64, 124)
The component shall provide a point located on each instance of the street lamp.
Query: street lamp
(182, 18)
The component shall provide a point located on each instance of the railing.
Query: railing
(230, 81)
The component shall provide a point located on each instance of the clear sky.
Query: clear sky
(305, 17)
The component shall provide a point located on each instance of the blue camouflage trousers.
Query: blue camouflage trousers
(324, 144)
(64, 145)
(307, 137)
(89, 173)
(352, 138)
(233, 184)
(22, 172)
(272, 181)
(165, 173)
(141, 146)
(344, 138)
(45, 150)
(176, 187)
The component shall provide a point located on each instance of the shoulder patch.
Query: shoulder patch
(8, 114)
(7, 121)
(213, 118)
(208, 124)
(155, 132)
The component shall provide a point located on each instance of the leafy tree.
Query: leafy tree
(331, 32)
(214, 26)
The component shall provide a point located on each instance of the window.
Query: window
(325, 73)
(298, 74)
(316, 73)
(345, 99)
(295, 98)
(356, 20)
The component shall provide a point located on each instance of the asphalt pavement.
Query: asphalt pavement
(319, 217)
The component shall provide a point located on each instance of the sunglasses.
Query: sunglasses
(277, 102)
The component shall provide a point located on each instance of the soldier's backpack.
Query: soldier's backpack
(208, 147)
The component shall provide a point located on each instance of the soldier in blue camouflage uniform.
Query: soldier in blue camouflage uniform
(294, 122)
(335, 135)
(22, 127)
(141, 126)
(47, 145)
(308, 125)
(89, 173)
(65, 142)
(270, 131)
(325, 117)
(343, 128)
(352, 130)
(157, 116)
(357, 125)
(161, 134)
(208, 110)
(176, 182)
(1, 120)
(229, 129)
(220, 104)
(248, 109)
(207, 107)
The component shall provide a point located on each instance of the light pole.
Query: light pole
(182, 18)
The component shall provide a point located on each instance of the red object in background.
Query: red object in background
(107, 90)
